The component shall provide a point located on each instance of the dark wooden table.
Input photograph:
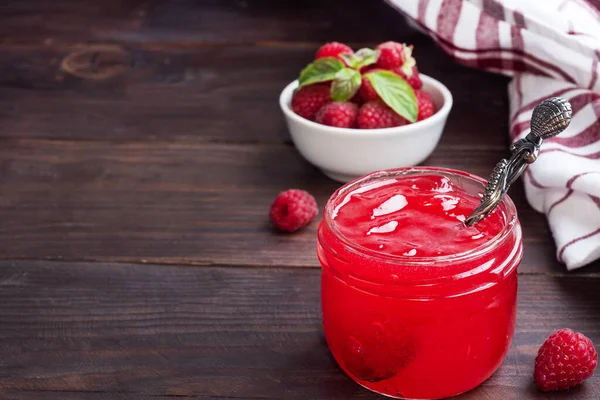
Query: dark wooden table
(141, 145)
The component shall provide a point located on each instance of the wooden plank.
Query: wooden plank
(197, 94)
(213, 93)
(192, 203)
(68, 20)
(191, 21)
(71, 395)
(239, 333)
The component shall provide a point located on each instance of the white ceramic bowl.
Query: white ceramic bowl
(345, 154)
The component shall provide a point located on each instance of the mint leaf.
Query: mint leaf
(409, 61)
(322, 70)
(395, 92)
(349, 59)
(345, 85)
(366, 57)
(361, 58)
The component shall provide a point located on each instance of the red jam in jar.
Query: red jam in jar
(416, 304)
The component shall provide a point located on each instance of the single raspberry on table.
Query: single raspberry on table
(425, 105)
(341, 114)
(293, 209)
(376, 114)
(333, 49)
(391, 55)
(566, 359)
(309, 99)
(367, 91)
(413, 80)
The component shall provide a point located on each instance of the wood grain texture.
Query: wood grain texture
(74, 395)
(203, 21)
(191, 203)
(148, 131)
(215, 93)
(144, 331)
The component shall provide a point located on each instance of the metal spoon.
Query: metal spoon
(549, 118)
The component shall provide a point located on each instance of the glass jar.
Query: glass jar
(419, 327)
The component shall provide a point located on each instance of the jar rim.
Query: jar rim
(510, 217)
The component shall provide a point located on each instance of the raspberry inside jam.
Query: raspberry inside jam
(413, 216)
(416, 304)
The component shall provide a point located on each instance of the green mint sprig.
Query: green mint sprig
(345, 78)
(361, 58)
(395, 92)
(322, 70)
(345, 85)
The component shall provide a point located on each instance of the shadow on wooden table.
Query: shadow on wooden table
(506, 392)
(329, 382)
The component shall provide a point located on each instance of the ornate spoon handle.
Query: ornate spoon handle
(549, 118)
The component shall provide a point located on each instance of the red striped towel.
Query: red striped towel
(551, 48)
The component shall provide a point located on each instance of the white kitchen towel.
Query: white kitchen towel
(550, 48)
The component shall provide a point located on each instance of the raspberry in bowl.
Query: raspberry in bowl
(415, 303)
(351, 114)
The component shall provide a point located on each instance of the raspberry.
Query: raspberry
(377, 351)
(565, 360)
(333, 49)
(366, 91)
(391, 55)
(367, 68)
(413, 80)
(309, 99)
(376, 114)
(338, 113)
(293, 209)
(356, 99)
(425, 105)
